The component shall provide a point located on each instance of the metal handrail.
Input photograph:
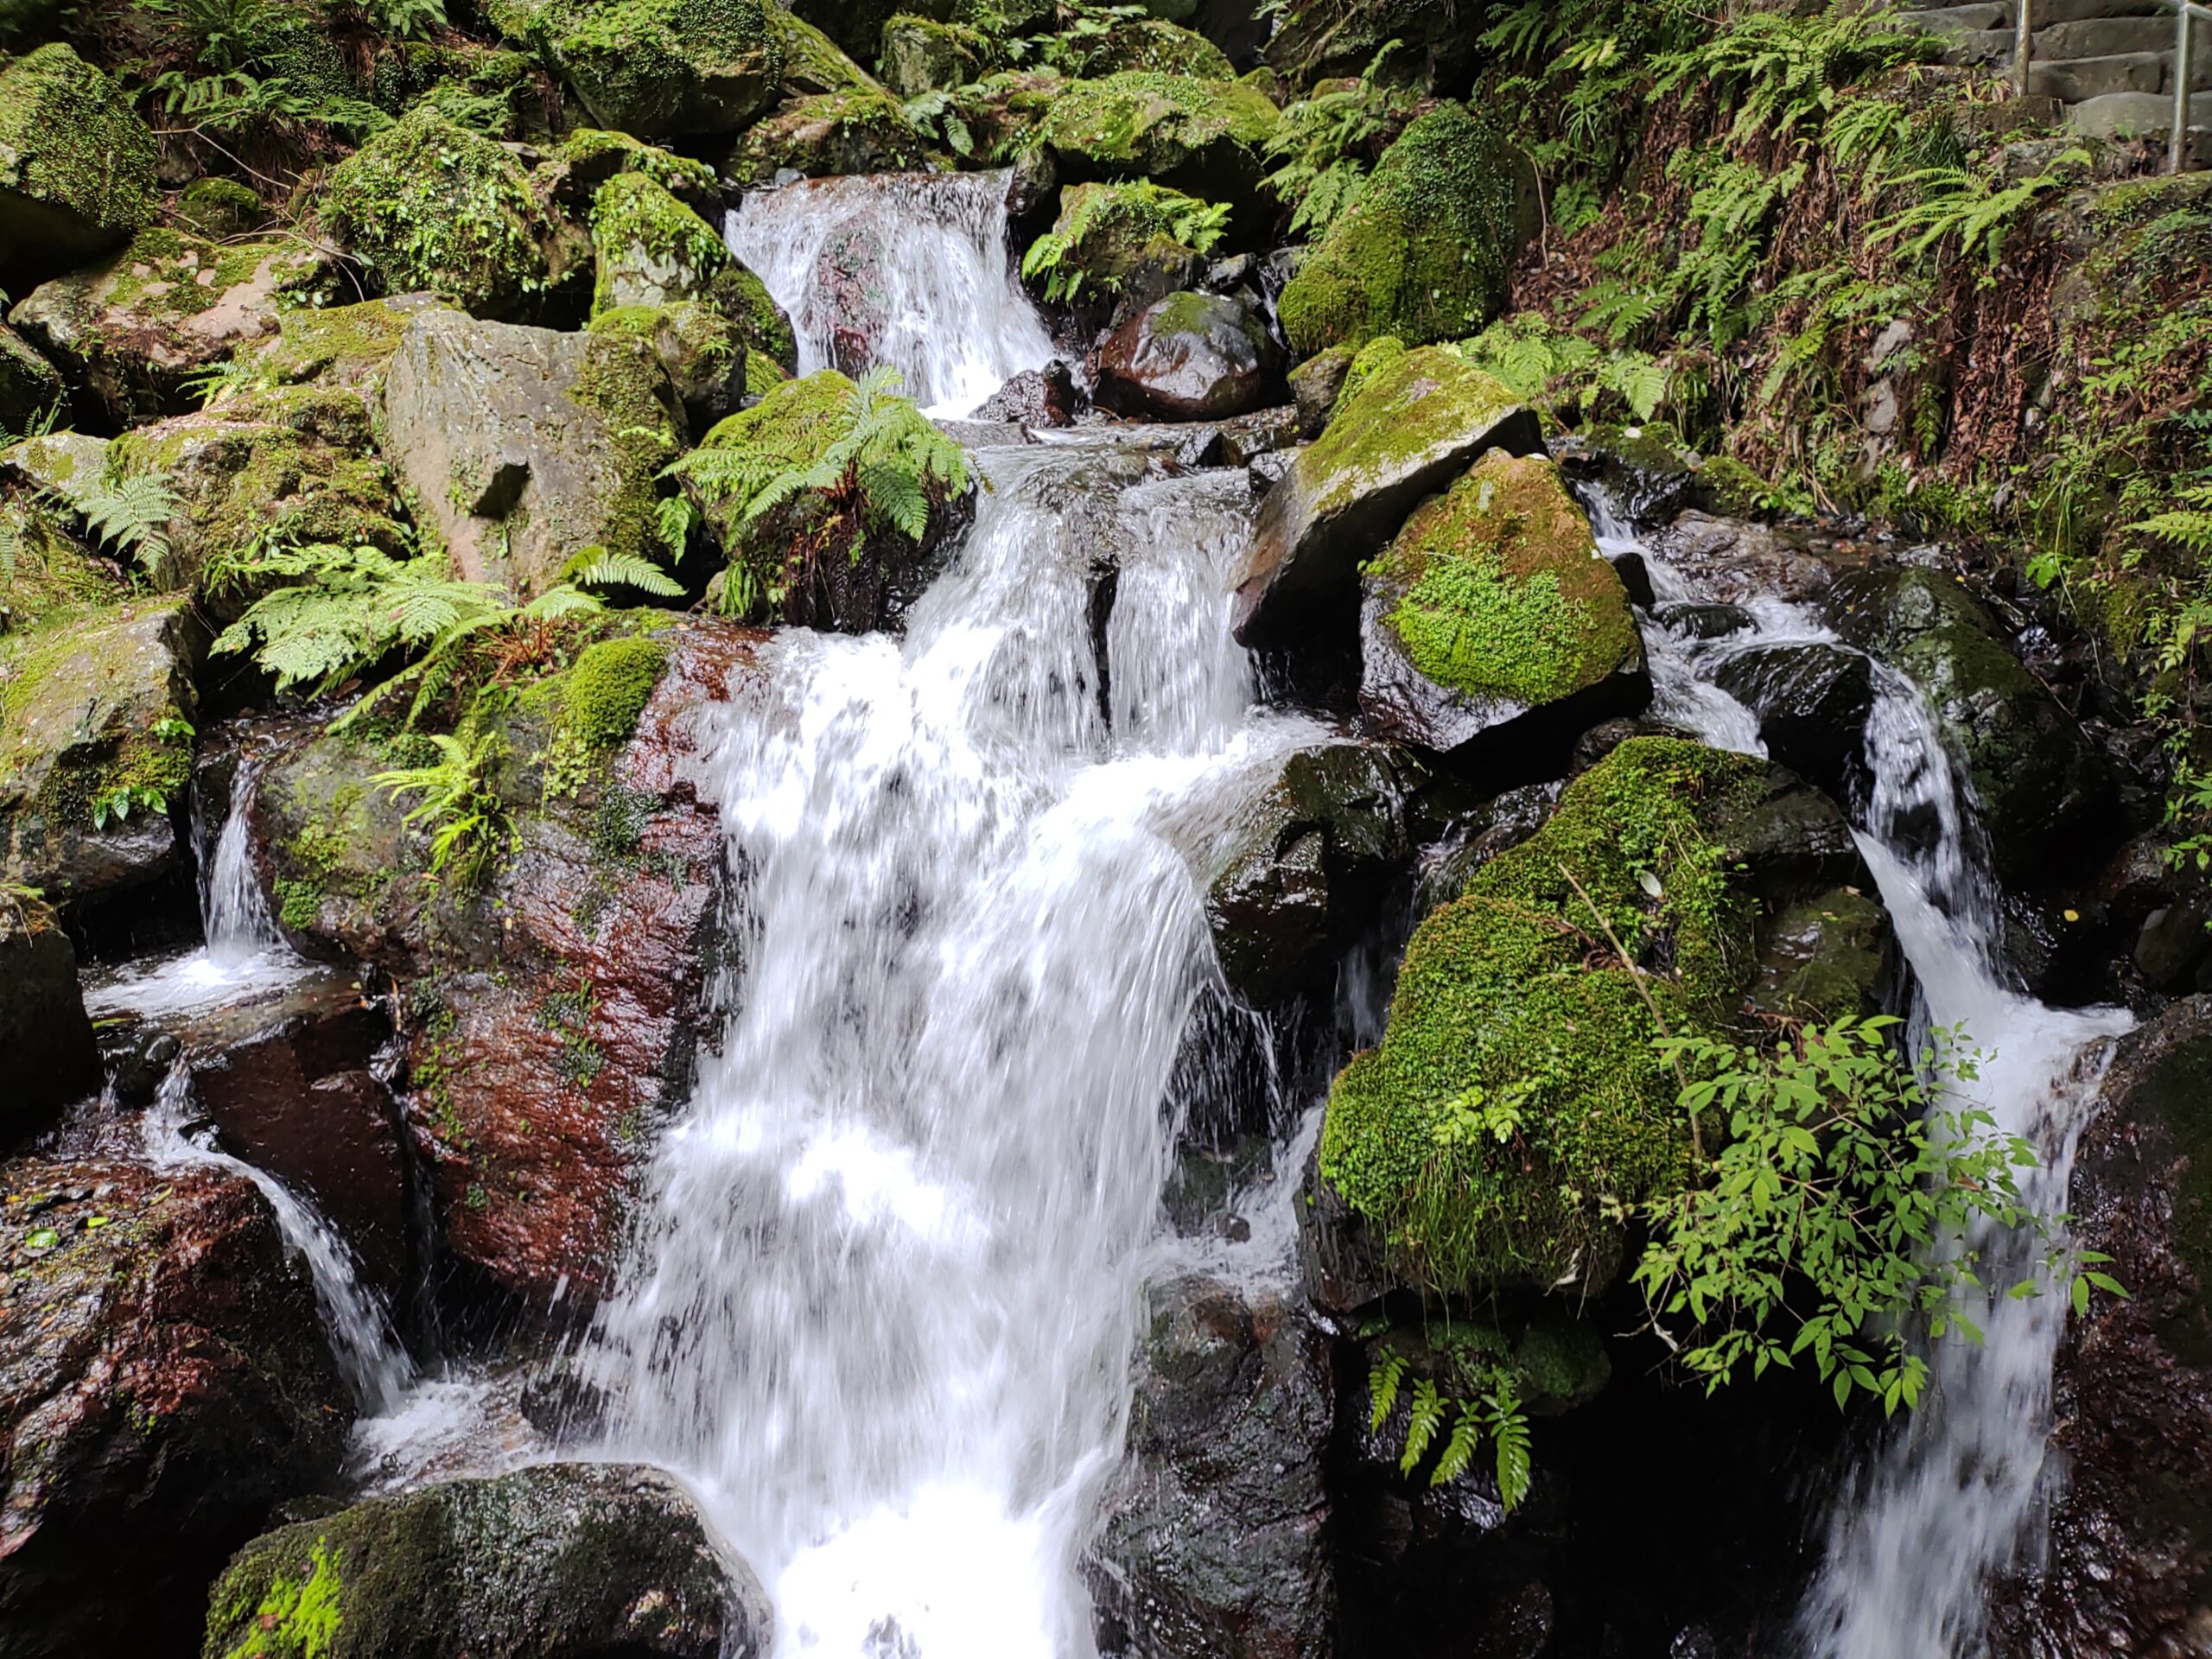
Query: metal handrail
(2185, 12)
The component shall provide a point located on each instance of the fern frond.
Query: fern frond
(597, 568)
(1426, 1417)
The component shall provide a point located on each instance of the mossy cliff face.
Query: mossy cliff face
(427, 205)
(76, 163)
(1512, 997)
(1424, 251)
(572, 1557)
(657, 68)
(1491, 602)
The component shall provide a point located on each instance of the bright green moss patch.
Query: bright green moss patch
(657, 69)
(1515, 1093)
(1496, 590)
(1415, 404)
(1423, 252)
(297, 1618)
(863, 130)
(652, 248)
(608, 689)
(76, 163)
(1143, 124)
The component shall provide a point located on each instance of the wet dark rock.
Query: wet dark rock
(165, 1383)
(2043, 788)
(1827, 955)
(1263, 432)
(1705, 621)
(576, 1560)
(1307, 869)
(29, 385)
(1315, 383)
(1211, 1545)
(1046, 396)
(52, 1058)
(550, 1020)
(1192, 357)
(1728, 560)
(1813, 702)
(2130, 1546)
(1639, 471)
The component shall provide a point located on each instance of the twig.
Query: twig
(1636, 977)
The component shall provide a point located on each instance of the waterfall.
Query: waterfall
(882, 1304)
(376, 1369)
(233, 910)
(1952, 1496)
(905, 269)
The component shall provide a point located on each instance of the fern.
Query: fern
(935, 115)
(1459, 1451)
(1324, 146)
(1783, 72)
(468, 819)
(597, 568)
(1382, 1380)
(1131, 213)
(130, 515)
(1964, 207)
(1427, 1417)
(1509, 1431)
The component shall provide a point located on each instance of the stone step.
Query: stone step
(2132, 115)
(2088, 78)
(2110, 37)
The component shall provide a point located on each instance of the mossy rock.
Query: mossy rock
(1509, 997)
(1316, 385)
(77, 164)
(865, 130)
(589, 157)
(139, 330)
(1124, 44)
(96, 709)
(815, 64)
(430, 206)
(1006, 112)
(651, 249)
(761, 322)
(345, 348)
(920, 55)
(1203, 137)
(1492, 606)
(54, 573)
(657, 68)
(219, 209)
(1424, 250)
(53, 1060)
(559, 1559)
(704, 352)
(29, 385)
(608, 689)
(856, 26)
(1119, 238)
(1313, 41)
(1417, 423)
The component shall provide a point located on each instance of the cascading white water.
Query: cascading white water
(905, 270)
(1915, 1535)
(880, 1314)
(233, 910)
(375, 1367)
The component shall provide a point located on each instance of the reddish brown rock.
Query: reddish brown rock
(164, 1383)
(1192, 357)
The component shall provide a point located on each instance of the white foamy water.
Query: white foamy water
(909, 269)
(1955, 1493)
(881, 1312)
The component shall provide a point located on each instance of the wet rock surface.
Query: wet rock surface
(164, 1383)
(1192, 357)
(572, 1559)
(52, 1058)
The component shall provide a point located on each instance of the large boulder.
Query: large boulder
(1124, 44)
(343, 348)
(1492, 617)
(76, 162)
(1515, 995)
(53, 1060)
(857, 25)
(1204, 138)
(138, 332)
(96, 735)
(1305, 871)
(1428, 42)
(523, 446)
(589, 157)
(1417, 424)
(560, 1561)
(1131, 241)
(1813, 703)
(830, 135)
(657, 68)
(165, 1383)
(2130, 1549)
(1191, 357)
(1213, 1542)
(2044, 789)
(709, 365)
(543, 1048)
(429, 206)
(1424, 251)
(651, 249)
(920, 55)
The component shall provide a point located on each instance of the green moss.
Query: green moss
(217, 208)
(1510, 997)
(1365, 361)
(1499, 590)
(1124, 44)
(1149, 125)
(1424, 251)
(921, 54)
(297, 1618)
(652, 249)
(863, 130)
(593, 155)
(744, 300)
(77, 166)
(660, 68)
(623, 381)
(1411, 404)
(428, 205)
(608, 689)
(813, 62)
(1107, 232)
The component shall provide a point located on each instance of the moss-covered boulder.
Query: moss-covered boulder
(920, 55)
(345, 348)
(53, 1060)
(563, 1559)
(165, 1383)
(1514, 1005)
(657, 68)
(1191, 357)
(429, 206)
(588, 156)
(703, 352)
(651, 249)
(1424, 250)
(857, 25)
(54, 572)
(29, 385)
(1202, 136)
(219, 209)
(1005, 111)
(2044, 790)
(95, 735)
(814, 63)
(819, 560)
(551, 1014)
(1122, 240)
(137, 332)
(1314, 40)
(76, 162)
(865, 130)
(1414, 427)
(522, 447)
(1491, 616)
(1120, 44)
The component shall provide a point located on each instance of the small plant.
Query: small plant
(466, 818)
(23, 910)
(937, 116)
(1969, 211)
(115, 806)
(1325, 146)
(1133, 214)
(1483, 1404)
(130, 515)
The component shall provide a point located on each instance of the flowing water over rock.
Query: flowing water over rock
(1952, 1496)
(881, 1314)
(909, 270)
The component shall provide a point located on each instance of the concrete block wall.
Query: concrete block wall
(2111, 62)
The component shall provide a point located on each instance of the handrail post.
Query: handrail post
(2023, 47)
(2180, 86)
